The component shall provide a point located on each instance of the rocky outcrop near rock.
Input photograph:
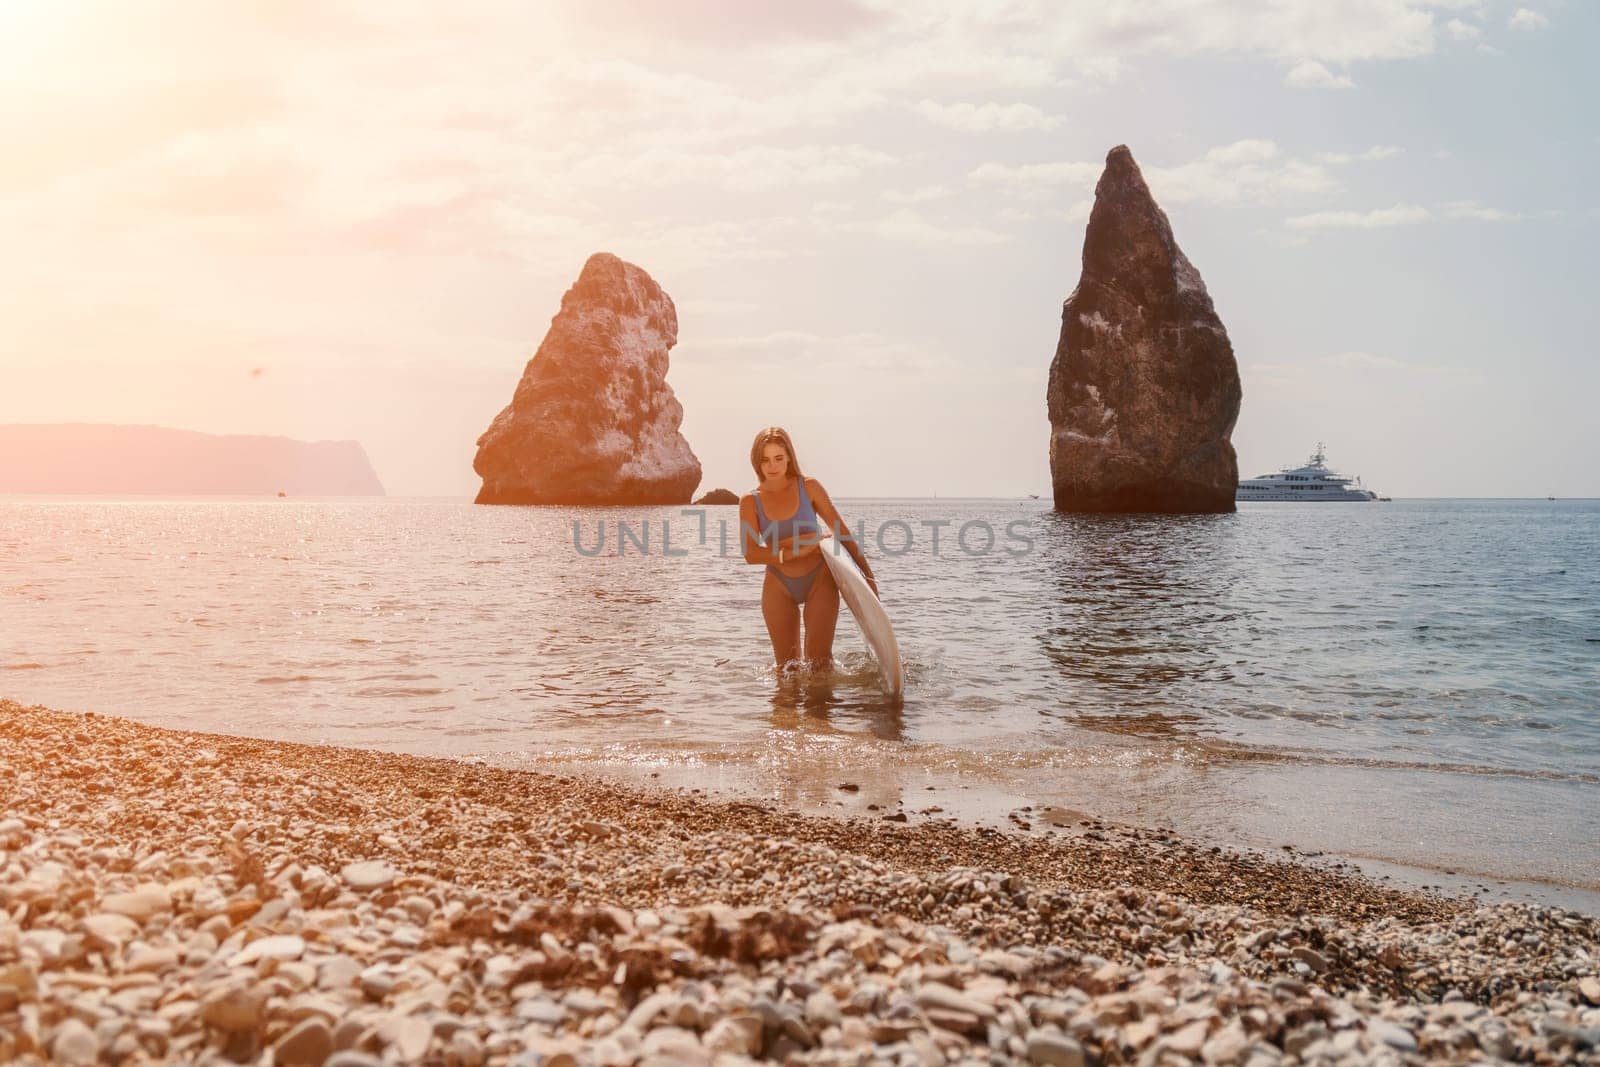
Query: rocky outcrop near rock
(719, 496)
(109, 460)
(1144, 389)
(593, 420)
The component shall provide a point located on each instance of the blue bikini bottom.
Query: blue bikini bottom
(800, 585)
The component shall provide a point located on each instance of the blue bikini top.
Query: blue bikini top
(804, 519)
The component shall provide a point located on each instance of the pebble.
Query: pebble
(111, 929)
(49, 945)
(466, 1049)
(776, 936)
(1315, 961)
(738, 1034)
(338, 972)
(142, 905)
(308, 1043)
(941, 997)
(1392, 1034)
(411, 1039)
(352, 1058)
(369, 875)
(152, 959)
(233, 1008)
(822, 1009)
(280, 947)
(1054, 1049)
(75, 1044)
(1189, 1040)
(376, 982)
(541, 1010)
(675, 1045)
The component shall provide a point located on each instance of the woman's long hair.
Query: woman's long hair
(773, 435)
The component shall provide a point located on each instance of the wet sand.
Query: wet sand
(1164, 798)
(171, 895)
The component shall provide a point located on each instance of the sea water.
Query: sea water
(1415, 682)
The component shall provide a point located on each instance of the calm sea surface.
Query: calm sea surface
(1415, 682)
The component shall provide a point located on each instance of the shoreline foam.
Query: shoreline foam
(168, 894)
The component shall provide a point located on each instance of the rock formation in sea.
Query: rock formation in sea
(593, 420)
(108, 459)
(719, 496)
(1143, 391)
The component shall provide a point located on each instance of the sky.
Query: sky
(333, 221)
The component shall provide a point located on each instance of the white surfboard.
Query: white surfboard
(868, 611)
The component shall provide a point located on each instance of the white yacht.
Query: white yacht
(1313, 482)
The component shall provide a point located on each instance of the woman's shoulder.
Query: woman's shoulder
(813, 486)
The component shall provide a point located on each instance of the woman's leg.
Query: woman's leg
(783, 619)
(822, 612)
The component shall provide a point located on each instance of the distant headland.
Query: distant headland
(105, 459)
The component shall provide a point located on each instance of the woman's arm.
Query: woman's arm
(755, 549)
(830, 515)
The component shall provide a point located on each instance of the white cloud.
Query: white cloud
(939, 48)
(719, 26)
(1078, 212)
(418, 171)
(756, 168)
(1309, 74)
(1377, 151)
(1369, 29)
(1399, 215)
(982, 118)
(1526, 19)
(801, 349)
(920, 195)
(1370, 361)
(1102, 69)
(1036, 179)
(715, 308)
(618, 96)
(1469, 209)
(907, 225)
(1462, 31)
(1248, 171)
(744, 240)
(1098, 37)
(1357, 365)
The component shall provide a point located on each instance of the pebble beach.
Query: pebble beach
(168, 896)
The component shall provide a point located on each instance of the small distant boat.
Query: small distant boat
(1549, 498)
(1313, 482)
(282, 494)
(1035, 496)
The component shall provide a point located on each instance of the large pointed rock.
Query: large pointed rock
(593, 420)
(1144, 390)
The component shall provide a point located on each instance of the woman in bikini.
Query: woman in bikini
(791, 549)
